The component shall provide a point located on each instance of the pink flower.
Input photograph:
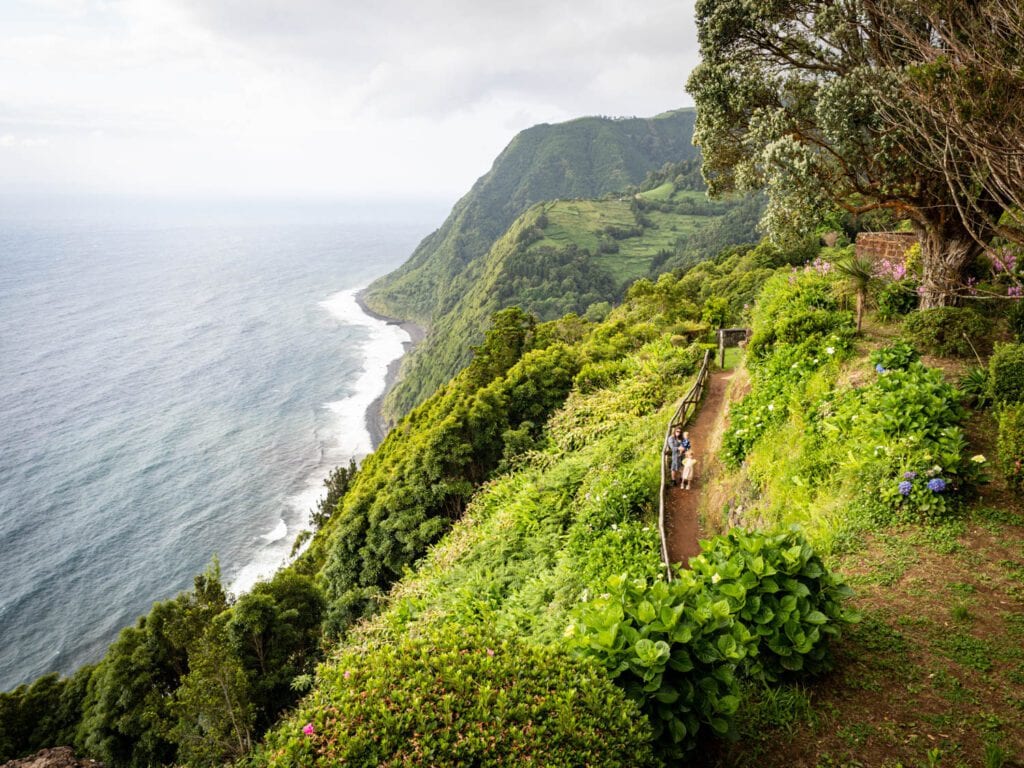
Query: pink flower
(348, 674)
(1015, 291)
(308, 729)
(490, 652)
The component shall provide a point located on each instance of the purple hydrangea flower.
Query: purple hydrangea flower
(904, 487)
(937, 485)
(879, 368)
(909, 475)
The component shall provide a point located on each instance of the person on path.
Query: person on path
(686, 441)
(688, 464)
(676, 450)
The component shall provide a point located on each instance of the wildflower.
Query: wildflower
(771, 406)
(879, 368)
(348, 674)
(979, 459)
(909, 475)
(904, 488)
(716, 578)
(490, 651)
(936, 485)
(615, 526)
(1015, 291)
(308, 729)
(830, 350)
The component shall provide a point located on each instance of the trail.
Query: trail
(682, 530)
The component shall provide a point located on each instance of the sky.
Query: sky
(314, 98)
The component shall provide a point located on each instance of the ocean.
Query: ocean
(175, 384)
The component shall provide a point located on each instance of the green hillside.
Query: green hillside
(565, 256)
(583, 158)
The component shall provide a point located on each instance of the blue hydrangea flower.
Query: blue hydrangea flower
(904, 487)
(879, 368)
(937, 485)
(909, 475)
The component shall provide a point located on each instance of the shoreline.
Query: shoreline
(374, 418)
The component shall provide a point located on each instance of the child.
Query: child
(688, 464)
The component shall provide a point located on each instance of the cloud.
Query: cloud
(441, 57)
(323, 96)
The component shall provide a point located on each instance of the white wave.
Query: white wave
(347, 436)
(279, 532)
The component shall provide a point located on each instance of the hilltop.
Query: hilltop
(578, 256)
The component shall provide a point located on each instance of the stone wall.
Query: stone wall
(884, 245)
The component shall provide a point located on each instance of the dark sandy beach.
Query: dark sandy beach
(374, 416)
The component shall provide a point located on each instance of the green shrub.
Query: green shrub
(898, 355)
(1006, 373)
(1011, 445)
(896, 299)
(974, 388)
(779, 588)
(461, 696)
(674, 648)
(1015, 319)
(948, 331)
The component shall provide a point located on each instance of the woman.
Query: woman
(677, 449)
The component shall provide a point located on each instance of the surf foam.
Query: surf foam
(345, 437)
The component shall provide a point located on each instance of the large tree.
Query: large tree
(797, 97)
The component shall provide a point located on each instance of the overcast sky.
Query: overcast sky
(314, 98)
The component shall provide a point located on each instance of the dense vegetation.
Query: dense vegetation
(868, 105)
(583, 158)
(576, 256)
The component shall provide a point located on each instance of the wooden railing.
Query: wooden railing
(679, 418)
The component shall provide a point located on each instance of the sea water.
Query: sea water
(175, 385)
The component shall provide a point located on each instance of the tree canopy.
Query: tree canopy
(797, 96)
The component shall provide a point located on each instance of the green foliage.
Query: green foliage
(792, 98)
(461, 696)
(337, 484)
(779, 588)
(897, 356)
(408, 493)
(948, 331)
(213, 714)
(1011, 444)
(752, 605)
(974, 388)
(274, 632)
(1006, 373)
(42, 714)
(128, 712)
(582, 158)
(674, 647)
(896, 299)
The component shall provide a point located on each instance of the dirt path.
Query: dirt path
(681, 524)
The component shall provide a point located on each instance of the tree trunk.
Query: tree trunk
(945, 257)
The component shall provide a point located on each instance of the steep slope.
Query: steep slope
(588, 157)
(558, 257)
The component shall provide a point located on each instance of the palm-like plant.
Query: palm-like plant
(860, 276)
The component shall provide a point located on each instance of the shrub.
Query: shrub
(1011, 444)
(461, 696)
(947, 331)
(674, 648)
(974, 388)
(898, 355)
(1006, 373)
(779, 588)
(896, 299)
